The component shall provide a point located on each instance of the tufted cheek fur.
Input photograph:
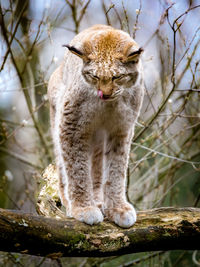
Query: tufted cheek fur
(92, 131)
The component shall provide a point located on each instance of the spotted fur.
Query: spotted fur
(91, 134)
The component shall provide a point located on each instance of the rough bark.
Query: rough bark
(155, 230)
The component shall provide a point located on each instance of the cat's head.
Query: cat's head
(111, 62)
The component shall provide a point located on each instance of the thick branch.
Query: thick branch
(157, 229)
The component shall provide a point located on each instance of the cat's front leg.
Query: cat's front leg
(76, 181)
(97, 167)
(116, 207)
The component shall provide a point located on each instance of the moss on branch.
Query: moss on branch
(157, 229)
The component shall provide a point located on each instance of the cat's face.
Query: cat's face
(110, 63)
(110, 80)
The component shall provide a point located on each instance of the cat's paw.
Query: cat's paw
(123, 215)
(90, 215)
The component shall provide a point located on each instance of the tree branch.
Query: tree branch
(155, 230)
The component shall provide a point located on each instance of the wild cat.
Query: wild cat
(95, 99)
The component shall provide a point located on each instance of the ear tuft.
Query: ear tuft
(138, 52)
(134, 56)
(75, 51)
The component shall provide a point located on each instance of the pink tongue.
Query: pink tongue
(100, 94)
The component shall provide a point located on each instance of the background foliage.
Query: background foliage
(164, 161)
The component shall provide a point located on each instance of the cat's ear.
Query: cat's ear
(76, 51)
(135, 55)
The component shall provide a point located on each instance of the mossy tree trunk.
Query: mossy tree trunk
(155, 230)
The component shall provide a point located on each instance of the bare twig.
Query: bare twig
(138, 12)
(14, 32)
(74, 9)
(174, 85)
(20, 158)
(26, 94)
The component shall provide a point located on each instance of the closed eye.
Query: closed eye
(117, 77)
(90, 75)
(96, 77)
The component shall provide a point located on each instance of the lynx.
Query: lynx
(95, 99)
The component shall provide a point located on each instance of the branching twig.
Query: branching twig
(77, 19)
(174, 85)
(26, 94)
(14, 32)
